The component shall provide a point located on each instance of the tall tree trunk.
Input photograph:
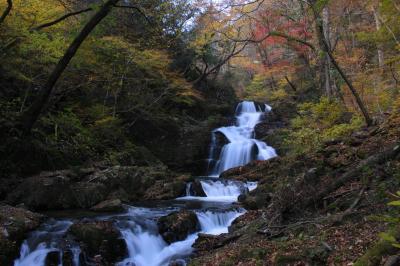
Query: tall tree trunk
(6, 11)
(31, 115)
(378, 24)
(326, 61)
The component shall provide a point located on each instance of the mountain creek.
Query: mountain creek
(150, 230)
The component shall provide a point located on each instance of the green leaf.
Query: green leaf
(388, 237)
(394, 203)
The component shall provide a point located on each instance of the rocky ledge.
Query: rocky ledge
(86, 188)
(178, 225)
(15, 223)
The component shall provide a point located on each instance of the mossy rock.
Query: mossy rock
(178, 225)
(99, 238)
(15, 223)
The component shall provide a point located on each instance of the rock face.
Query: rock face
(179, 143)
(113, 205)
(164, 191)
(177, 226)
(89, 187)
(196, 189)
(99, 241)
(15, 223)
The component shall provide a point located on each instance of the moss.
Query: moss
(382, 248)
(284, 260)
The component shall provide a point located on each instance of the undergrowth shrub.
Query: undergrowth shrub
(319, 122)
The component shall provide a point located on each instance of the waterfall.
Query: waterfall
(216, 223)
(220, 190)
(35, 249)
(147, 248)
(242, 147)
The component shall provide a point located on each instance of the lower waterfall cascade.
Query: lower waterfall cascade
(138, 225)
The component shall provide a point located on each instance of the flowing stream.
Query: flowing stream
(138, 225)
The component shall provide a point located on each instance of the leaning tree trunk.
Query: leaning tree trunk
(326, 48)
(31, 115)
(6, 11)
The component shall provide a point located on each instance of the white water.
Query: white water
(147, 248)
(215, 223)
(226, 191)
(35, 249)
(242, 147)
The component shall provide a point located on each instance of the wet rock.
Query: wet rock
(177, 263)
(165, 191)
(99, 238)
(53, 258)
(15, 223)
(68, 258)
(266, 170)
(178, 225)
(207, 242)
(112, 205)
(196, 189)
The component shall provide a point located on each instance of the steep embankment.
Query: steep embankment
(320, 208)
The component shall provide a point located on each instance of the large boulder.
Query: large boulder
(112, 205)
(164, 191)
(15, 223)
(178, 225)
(99, 240)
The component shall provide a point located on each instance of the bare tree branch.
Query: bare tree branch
(51, 23)
(139, 10)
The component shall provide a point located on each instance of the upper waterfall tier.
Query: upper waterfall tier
(242, 147)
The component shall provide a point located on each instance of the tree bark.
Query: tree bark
(326, 61)
(378, 24)
(7, 11)
(31, 115)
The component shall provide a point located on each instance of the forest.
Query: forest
(199, 132)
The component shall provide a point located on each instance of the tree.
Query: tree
(31, 115)
(316, 9)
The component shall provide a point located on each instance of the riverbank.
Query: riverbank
(323, 208)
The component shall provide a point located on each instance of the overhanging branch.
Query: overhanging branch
(138, 9)
(51, 23)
